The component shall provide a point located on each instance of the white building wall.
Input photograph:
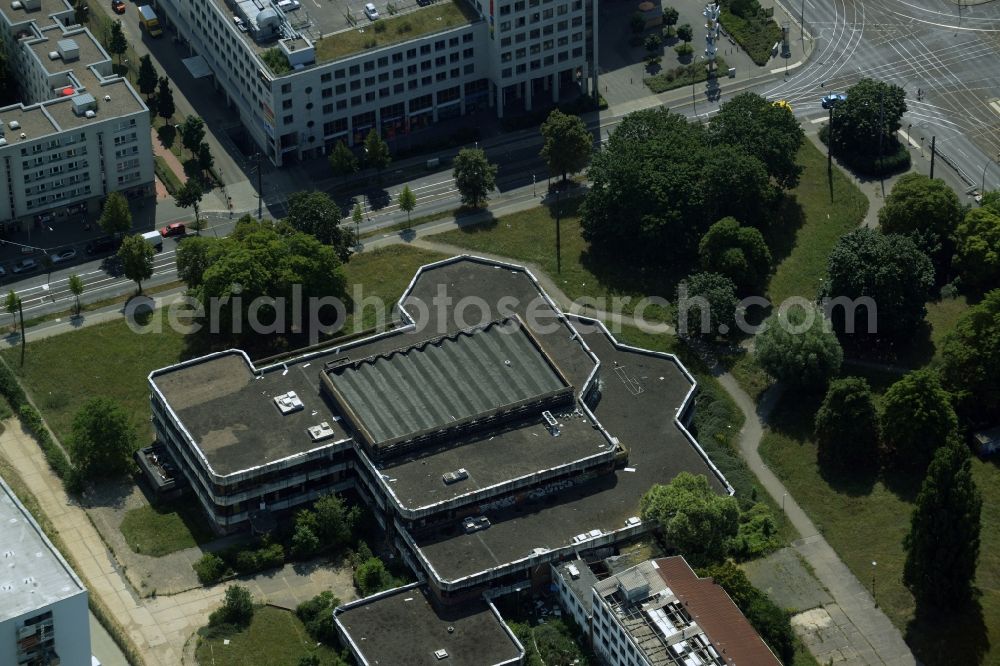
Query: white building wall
(71, 630)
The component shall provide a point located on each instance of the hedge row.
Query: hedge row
(238, 560)
(895, 158)
(678, 77)
(756, 35)
(33, 424)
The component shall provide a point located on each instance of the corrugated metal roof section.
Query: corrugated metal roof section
(446, 380)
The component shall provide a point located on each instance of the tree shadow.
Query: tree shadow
(475, 220)
(787, 219)
(945, 638)
(915, 350)
(166, 134)
(856, 481)
(378, 198)
(904, 483)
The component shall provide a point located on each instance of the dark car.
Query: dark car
(25, 266)
(103, 244)
(832, 100)
(118, 6)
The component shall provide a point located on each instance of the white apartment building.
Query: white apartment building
(79, 132)
(427, 63)
(659, 613)
(43, 605)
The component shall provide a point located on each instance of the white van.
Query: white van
(154, 239)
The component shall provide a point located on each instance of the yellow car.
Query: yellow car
(782, 104)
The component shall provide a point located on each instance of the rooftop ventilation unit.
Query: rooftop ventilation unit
(3, 141)
(83, 103)
(551, 423)
(23, 135)
(90, 113)
(320, 432)
(54, 55)
(68, 49)
(441, 654)
(15, 125)
(574, 572)
(633, 521)
(454, 477)
(288, 402)
(107, 98)
(16, 4)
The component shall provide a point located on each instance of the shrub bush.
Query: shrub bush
(683, 50)
(317, 615)
(755, 33)
(236, 609)
(895, 158)
(210, 569)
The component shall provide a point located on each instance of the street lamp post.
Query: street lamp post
(874, 596)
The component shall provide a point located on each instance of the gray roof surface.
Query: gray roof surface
(33, 573)
(581, 586)
(494, 456)
(406, 628)
(450, 379)
(637, 405)
(232, 415)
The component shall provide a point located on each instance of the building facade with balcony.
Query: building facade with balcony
(43, 615)
(79, 132)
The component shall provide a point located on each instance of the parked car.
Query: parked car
(3, 272)
(103, 244)
(118, 6)
(832, 100)
(175, 229)
(240, 25)
(25, 266)
(371, 12)
(63, 255)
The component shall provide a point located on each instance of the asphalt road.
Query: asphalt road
(920, 45)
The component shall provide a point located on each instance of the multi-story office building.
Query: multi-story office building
(43, 605)
(659, 613)
(79, 132)
(304, 76)
(485, 449)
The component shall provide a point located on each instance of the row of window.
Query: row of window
(386, 92)
(43, 200)
(561, 10)
(521, 22)
(56, 184)
(535, 49)
(548, 60)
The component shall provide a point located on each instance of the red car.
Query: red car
(118, 6)
(175, 229)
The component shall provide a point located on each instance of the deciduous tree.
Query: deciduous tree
(567, 143)
(315, 213)
(117, 42)
(102, 439)
(189, 196)
(942, 547)
(685, 33)
(136, 257)
(739, 253)
(376, 152)
(977, 248)
(407, 202)
(75, 284)
(871, 114)
(165, 100)
(148, 77)
(770, 133)
(799, 348)
(192, 132)
(971, 354)
(847, 426)
(342, 160)
(917, 418)
(737, 184)
(475, 176)
(887, 268)
(926, 210)
(116, 218)
(695, 519)
(194, 256)
(706, 306)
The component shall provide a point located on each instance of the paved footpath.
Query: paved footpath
(853, 630)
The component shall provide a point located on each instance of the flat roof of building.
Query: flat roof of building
(492, 457)
(405, 627)
(445, 382)
(33, 574)
(229, 409)
(580, 579)
(45, 8)
(641, 393)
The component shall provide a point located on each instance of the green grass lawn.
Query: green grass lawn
(530, 236)
(818, 212)
(866, 521)
(164, 529)
(391, 30)
(275, 637)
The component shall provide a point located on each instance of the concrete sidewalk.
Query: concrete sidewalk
(857, 632)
